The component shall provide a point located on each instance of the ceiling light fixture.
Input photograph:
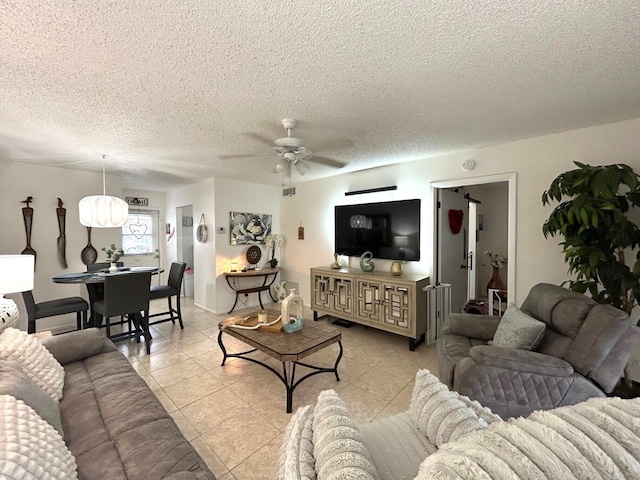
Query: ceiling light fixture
(103, 211)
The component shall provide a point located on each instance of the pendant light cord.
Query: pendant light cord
(104, 183)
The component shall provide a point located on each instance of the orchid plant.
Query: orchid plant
(496, 261)
(272, 241)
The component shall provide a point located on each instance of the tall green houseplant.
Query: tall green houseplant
(600, 240)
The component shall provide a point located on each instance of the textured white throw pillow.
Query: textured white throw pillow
(338, 447)
(441, 415)
(295, 458)
(30, 448)
(518, 330)
(34, 359)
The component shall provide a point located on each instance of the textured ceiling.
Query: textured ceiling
(176, 91)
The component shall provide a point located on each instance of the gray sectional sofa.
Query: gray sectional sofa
(113, 424)
(582, 354)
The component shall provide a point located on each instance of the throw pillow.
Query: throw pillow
(518, 330)
(30, 448)
(441, 415)
(14, 382)
(34, 359)
(295, 459)
(338, 447)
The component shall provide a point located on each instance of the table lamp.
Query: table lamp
(16, 275)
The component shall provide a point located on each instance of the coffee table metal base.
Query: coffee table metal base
(288, 375)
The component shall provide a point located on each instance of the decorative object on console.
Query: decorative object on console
(113, 255)
(335, 264)
(366, 262)
(396, 268)
(292, 312)
(272, 241)
(248, 228)
(103, 211)
(27, 215)
(254, 254)
(16, 275)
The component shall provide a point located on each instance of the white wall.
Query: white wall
(235, 196)
(537, 161)
(45, 185)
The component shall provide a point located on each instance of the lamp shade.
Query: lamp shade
(103, 211)
(16, 273)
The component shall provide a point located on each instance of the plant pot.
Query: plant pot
(396, 268)
(273, 263)
(496, 282)
(113, 267)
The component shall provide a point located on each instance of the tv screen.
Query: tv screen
(387, 229)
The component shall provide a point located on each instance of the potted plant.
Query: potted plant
(600, 238)
(113, 255)
(272, 241)
(497, 262)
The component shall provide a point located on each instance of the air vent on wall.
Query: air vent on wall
(289, 192)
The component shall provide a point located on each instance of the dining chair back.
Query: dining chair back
(127, 294)
(96, 267)
(171, 289)
(52, 308)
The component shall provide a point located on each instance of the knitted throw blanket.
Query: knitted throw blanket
(596, 439)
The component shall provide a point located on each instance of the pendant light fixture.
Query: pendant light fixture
(103, 211)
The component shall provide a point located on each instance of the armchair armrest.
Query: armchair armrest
(468, 325)
(78, 345)
(524, 361)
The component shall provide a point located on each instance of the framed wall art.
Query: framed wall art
(248, 228)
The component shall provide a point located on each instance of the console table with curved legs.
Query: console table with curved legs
(268, 276)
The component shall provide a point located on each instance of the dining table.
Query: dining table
(94, 282)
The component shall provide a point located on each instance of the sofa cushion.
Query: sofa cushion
(295, 459)
(30, 448)
(598, 438)
(338, 446)
(518, 330)
(440, 414)
(397, 447)
(76, 345)
(34, 359)
(14, 382)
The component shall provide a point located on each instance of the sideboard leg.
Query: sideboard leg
(414, 342)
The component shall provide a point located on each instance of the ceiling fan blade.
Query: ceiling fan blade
(234, 156)
(329, 162)
(259, 138)
(302, 167)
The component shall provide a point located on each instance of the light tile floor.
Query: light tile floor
(234, 415)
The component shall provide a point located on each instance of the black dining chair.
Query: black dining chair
(96, 267)
(171, 289)
(127, 294)
(52, 308)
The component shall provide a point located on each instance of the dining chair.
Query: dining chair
(95, 267)
(52, 308)
(171, 289)
(127, 294)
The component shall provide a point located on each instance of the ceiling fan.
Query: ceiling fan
(292, 151)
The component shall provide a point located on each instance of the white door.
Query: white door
(472, 257)
(141, 240)
(452, 247)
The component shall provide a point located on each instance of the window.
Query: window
(137, 234)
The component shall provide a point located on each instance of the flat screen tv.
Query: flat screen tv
(387, 229)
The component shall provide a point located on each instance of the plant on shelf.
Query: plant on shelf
(113, 253)
(497, 262)
(599, 235)
(272, 241)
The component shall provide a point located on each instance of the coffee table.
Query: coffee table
(288, 348)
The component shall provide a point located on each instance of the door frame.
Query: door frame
(511, 178)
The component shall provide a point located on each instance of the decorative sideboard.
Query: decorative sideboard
(379, 300)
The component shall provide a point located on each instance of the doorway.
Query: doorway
(484, 207)
(184, 237)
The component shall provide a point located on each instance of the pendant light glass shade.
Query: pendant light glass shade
(103, 211)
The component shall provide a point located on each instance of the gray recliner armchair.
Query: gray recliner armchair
(585, 349)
